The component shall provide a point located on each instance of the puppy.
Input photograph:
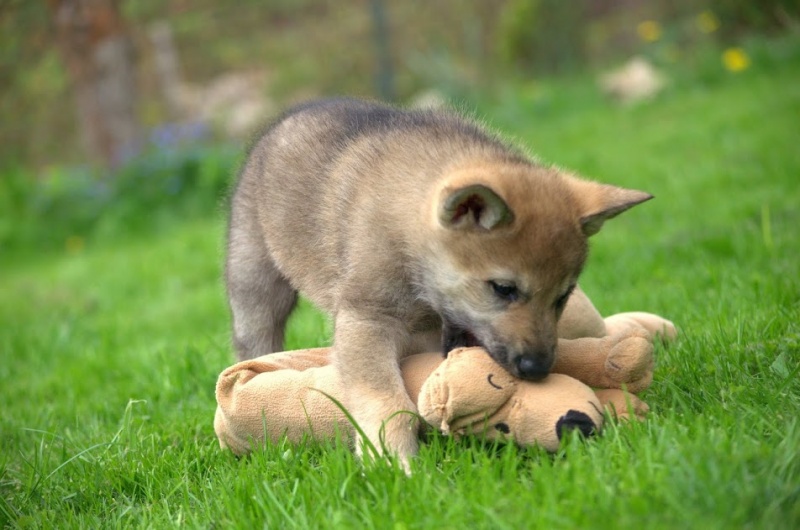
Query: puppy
(407, 227)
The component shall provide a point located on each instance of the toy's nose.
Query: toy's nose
(532, 368)
(573, 420)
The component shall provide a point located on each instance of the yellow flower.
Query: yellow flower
(649, 30)
(707, 22)
(735, 59)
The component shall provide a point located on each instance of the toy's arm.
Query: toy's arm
(621, 360)
(609, 353)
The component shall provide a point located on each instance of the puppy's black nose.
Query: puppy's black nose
(531, 368)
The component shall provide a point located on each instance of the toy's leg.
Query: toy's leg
(271, 397)
(580, 318)
(622, 405)
(656, 326)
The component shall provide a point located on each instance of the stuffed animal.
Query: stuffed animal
(289, 394)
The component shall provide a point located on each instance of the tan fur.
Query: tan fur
(396, 223)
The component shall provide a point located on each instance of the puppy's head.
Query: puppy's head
(509, 243)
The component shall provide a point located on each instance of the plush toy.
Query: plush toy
(288, 394)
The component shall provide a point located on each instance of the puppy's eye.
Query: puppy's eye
(505, 290)
(561, 301)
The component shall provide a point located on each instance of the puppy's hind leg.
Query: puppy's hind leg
(260, 297)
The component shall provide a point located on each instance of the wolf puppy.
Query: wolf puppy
(406, 226)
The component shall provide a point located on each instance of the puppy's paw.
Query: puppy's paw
(392, 433)
(630, 361)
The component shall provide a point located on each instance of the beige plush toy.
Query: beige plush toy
(287, 394)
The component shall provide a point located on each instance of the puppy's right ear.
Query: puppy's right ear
(473, 207)
(600, 202)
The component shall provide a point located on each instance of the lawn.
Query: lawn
(110, 351)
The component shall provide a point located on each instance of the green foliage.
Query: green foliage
(543, 35)
(312, 47)
(547, 35)
(738, 16)
(77, 203)
(698, 61)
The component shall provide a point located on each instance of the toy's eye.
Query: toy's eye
(502, 427)
(561, 301)
(506, 290)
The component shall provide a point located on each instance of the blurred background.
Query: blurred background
(109, 109)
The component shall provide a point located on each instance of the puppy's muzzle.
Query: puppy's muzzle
(533, 365)
(531, 368)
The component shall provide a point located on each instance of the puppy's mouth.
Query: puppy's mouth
(533, 364)
(454, 336)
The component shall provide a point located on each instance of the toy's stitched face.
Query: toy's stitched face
(493, 384)
(471, 393)
(575, 420)
(472, 387)
(502, 427)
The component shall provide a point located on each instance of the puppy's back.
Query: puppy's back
(329, 174)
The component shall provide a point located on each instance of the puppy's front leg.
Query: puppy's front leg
(367, 348)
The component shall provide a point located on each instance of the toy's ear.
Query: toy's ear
(473, 207)
(600, 202)
(466, 388)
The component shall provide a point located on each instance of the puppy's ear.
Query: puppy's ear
(473, 207)
(600, 202)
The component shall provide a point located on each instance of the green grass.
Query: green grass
(110, 353)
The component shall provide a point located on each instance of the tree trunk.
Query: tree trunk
(98, 52)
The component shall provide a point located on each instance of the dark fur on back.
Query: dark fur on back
(356, 118)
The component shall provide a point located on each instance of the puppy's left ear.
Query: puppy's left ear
(473, 207)
(600, 202)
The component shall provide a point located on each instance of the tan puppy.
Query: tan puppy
(406, 226)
